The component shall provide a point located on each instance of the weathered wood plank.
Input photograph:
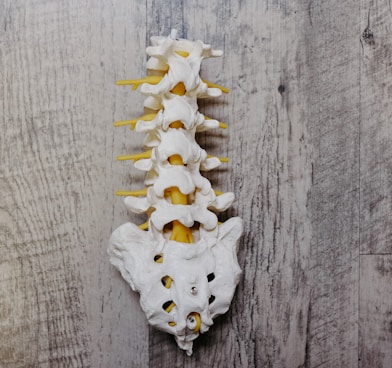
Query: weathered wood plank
(331, 75)
(61, 303)
(270, 173)
(375, 311)
(376, 128)
(119, 332)
(43, 312)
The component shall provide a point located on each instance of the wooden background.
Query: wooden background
(310, 142)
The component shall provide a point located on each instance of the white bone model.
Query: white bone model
(182, 261)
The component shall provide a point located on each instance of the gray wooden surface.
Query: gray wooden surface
(310, 143)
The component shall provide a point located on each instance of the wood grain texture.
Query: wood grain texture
(309, 142)
(62, 305)
(332, 78)
(376, 128)
(376, 311)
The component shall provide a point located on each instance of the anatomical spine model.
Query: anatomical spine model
(181, 261)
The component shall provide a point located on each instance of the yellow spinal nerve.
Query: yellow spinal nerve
(180, 232)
